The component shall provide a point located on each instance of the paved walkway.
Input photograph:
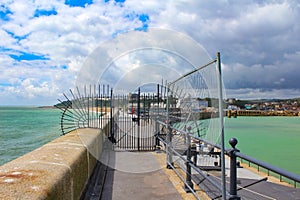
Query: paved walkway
(141, 175)
(137, 176)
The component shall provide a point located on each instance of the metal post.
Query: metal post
(194, 154)
(99, 115)
(219, 74)
(157, 131)
(138, 118)
(170, 163)
(112, 137)
(189, 184)
(157, 100)
(88, 106)
(233, 168)
(156, 123)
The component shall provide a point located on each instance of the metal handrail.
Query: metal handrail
(197, 170)
(277, 170)
(207, 177)
(281, 172)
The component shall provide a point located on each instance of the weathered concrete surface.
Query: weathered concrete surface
(57, 170)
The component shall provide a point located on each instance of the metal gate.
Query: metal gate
(133, 128)
(131, 117)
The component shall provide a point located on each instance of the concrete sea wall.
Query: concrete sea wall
(58, 170)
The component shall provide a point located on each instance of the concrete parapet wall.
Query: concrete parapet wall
(58, 170)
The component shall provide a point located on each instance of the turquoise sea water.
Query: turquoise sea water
(275, 140)
(23, 129)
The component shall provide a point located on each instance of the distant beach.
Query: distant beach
(47, 107)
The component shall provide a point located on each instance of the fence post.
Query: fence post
(138, 118)
(189, 184)
(112, 131)
(156, 123)
(170, 163)
(194, 154)
(157, 131)
(233, 170)
(111, 115)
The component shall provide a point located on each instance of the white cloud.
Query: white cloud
(251, 93)
(259, 41)
(6, 39)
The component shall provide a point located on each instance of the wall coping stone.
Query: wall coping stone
(59, 169)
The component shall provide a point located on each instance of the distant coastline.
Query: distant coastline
(260, 113)
(263, 107)
(47, 107)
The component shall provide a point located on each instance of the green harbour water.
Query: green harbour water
(275, 140)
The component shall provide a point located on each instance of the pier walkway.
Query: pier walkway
(138, 176)
(132, 175)
(143, 175)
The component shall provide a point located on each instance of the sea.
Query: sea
(275, 140)
(23, 129)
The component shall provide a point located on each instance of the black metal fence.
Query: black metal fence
(128, 115)
(133, 130)
(183, 160)
(88, 107)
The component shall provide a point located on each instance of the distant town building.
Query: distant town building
(233, 107)
(231, 100)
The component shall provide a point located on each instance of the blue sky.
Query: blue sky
(43, 44)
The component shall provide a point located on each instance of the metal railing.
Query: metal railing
(270, 168)
(184, 162)
(261, 164)
(190, 165)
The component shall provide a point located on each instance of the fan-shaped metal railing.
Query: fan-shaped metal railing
(87, 109)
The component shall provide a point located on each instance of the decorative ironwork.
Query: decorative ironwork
(87, 109)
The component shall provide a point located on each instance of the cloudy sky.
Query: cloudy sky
(43, 44)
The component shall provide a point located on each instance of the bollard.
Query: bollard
(233, 170)
(188, 182)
